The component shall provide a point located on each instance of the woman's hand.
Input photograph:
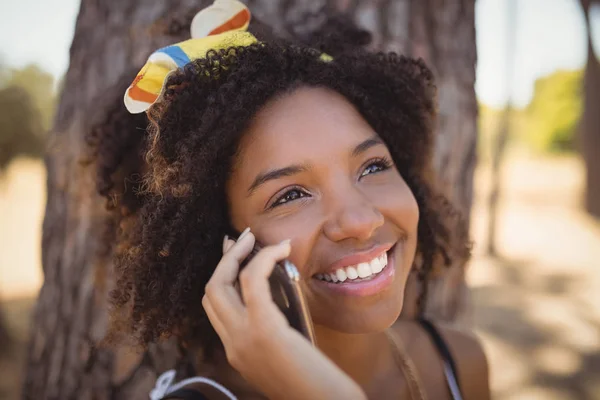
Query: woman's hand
(258, 340)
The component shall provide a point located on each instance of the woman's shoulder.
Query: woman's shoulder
(464, 347)
(470, 359)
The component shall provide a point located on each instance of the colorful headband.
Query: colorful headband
(220, 26)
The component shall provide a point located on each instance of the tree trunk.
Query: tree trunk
(5, 338)
(590, 122)
(112, 40)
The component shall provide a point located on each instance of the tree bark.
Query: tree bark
(112, 39)
(5, 338)
(590, 121)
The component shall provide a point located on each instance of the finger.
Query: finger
(226, 305)
(225, 299)
(214, 320)
(228, 268)
(225, 242)
(229, 245)
(254, 279)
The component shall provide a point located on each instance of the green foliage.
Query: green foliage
(21, 130)
(489, 123)
(554, 111)
(27, 105)
(40, 86)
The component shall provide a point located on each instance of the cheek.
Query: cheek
(301, 229)
(398, 204)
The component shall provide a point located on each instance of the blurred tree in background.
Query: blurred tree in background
(555, 110)
(5, 339)
(21, 131)
(27, 103)
(549, 123)
(39, 84)
(589, 138)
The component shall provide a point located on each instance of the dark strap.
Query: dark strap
(185, 394)
(450, 369)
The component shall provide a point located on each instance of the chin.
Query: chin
(372, 319)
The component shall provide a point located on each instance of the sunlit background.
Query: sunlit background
(537, 302)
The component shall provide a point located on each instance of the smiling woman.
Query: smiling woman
(311, 169)
(326, 160)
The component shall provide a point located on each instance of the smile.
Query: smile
(362, 279)
(357, 273)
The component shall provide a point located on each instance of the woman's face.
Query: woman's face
(312, 170)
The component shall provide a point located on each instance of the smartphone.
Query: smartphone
(287, 295)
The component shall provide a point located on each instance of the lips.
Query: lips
(363, 270)
(368, 285)
(360, 257)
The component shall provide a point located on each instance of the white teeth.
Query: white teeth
(351, 272)
(364, 270)
(376, 266)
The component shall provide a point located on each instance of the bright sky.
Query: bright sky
(550, 35)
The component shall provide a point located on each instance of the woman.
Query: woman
(325, 158)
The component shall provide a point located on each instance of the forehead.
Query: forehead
(308, 122)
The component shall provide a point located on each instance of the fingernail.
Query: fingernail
(285, 242)
(244, 233)
(225, 243)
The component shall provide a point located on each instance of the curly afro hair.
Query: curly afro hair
(165, 258)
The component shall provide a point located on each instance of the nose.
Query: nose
(352, 216)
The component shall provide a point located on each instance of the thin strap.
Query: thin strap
(450, 370)
(165, 388)
(185, 394)
(407, 367)
(208, 381)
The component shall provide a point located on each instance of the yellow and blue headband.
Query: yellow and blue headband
(220, 26)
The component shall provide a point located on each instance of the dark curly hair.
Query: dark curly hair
(164, 260)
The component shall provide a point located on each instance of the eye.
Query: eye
(289, 195)
(376, 165)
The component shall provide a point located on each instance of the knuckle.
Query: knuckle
(209, 291)
(205, 301)
(233, 358)
(224, 258)
(267, 254)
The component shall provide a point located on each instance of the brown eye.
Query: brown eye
(290, 195)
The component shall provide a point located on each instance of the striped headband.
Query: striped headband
(220, 26)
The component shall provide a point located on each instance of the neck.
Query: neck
(361, 356)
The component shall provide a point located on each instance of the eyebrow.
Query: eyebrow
(291, 170)
(275, 174)
(366, 145)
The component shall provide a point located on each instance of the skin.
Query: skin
(351, 202)
(340, 196)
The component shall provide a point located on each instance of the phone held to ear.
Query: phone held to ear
(287, 295)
